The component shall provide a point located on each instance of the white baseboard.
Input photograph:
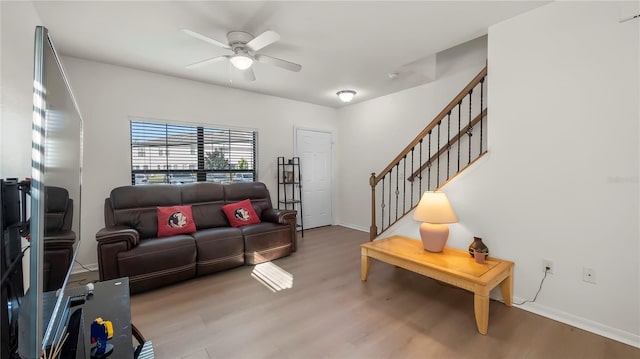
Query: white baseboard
(352, 226)
(582, 323)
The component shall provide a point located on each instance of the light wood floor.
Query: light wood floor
(330, 313)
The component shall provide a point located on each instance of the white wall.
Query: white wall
(18, 21)
(560, 180)
(109, 96)
(372, 133)
(563, 178)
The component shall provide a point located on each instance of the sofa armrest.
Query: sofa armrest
(281, 216)
(59, 239)
(118, 233)
(111, 241)
(286, 217)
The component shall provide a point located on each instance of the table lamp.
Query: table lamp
(434, 211)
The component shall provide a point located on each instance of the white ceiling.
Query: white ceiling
(340, 44)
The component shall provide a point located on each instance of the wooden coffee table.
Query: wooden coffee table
(452, 266)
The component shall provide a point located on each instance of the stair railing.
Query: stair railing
(447, 146)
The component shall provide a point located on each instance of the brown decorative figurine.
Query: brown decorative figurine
(478, 245)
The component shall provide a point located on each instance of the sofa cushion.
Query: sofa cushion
(266, 241)
(206, 201)
(145, 196)
(136, 206)
(157, 262)
(218, 249)
(256, 191)
(240, 213)
(175, 220)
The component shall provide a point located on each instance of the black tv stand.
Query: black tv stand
(109, 301)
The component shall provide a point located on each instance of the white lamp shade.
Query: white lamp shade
(434, 207)
(346, 95)
(241, 62)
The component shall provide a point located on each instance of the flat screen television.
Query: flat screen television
(56, 162)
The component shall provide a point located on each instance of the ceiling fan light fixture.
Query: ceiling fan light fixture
(346, 95)
(241, 61)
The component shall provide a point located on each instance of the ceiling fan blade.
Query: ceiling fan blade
(265, 39)
(205, 38)
(208, 61)
(278, 62)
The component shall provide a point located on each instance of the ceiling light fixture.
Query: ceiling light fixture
(241, 61)
(346, 95)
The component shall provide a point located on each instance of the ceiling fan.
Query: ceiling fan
(244, 47)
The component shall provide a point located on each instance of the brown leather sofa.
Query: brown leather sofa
(128, 245)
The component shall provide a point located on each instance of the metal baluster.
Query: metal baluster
(429, 165)
(404, 184)
(448, 141)
(438, 159)
(481, 118)
(459, 128)
(420, 174)
(397, 188)
(412, 150)
(390, 175)
(470, 129)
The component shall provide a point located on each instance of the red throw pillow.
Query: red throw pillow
(175, 220)
(240, 213)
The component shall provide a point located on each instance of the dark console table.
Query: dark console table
(110, 301)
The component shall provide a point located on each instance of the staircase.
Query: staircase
(447, 146)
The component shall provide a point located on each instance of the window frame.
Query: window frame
(207, 140)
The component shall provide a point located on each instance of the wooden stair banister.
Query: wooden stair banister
(402, 183)
(456, 100)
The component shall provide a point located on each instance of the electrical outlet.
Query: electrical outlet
(547, 266)
(589, 275)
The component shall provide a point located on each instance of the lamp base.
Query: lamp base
(434, 236)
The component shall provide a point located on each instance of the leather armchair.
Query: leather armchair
(58, 237)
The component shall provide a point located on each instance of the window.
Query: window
(190, 153)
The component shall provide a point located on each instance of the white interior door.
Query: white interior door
(314, 150)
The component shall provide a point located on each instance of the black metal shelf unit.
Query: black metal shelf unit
(290, 187)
